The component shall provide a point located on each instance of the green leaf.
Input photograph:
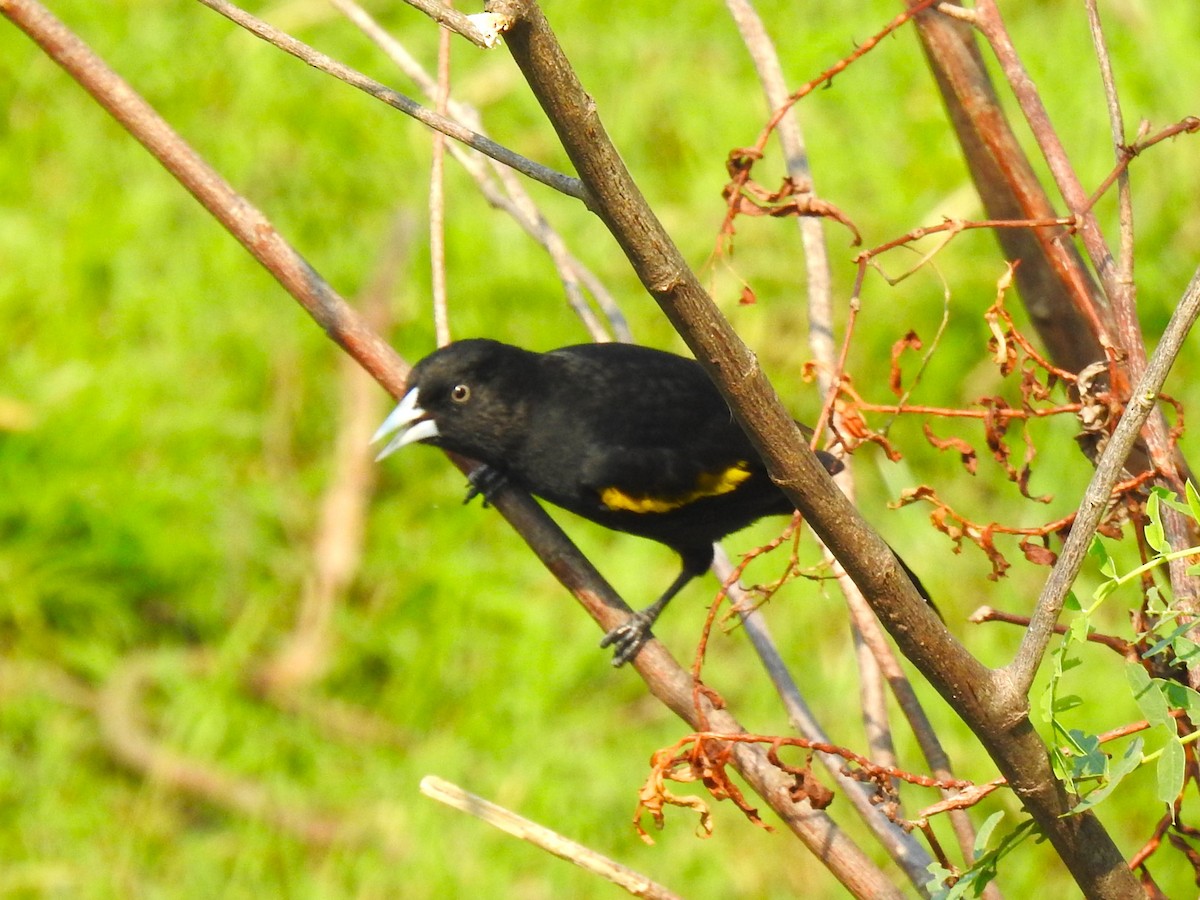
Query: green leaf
(1181, 696)
(1063, 768)
(1193, 500)
(1130, 760)
(1154, 530)
(1071, 662)
(983, 872)
(935, 887)
(1089, 760)
(1060, 661)
(1187, 652)
(1167, 498)
(1104, 590)
(1149, 697)
(1067, 703)
(1170, 771)
(1101, 557)
(984, 834)
(1170, 640)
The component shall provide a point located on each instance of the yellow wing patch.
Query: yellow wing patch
(709, 484)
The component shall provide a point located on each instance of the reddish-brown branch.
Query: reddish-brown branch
(1120, 645)
(956, 226)
(1129, 152)
(1063, 302)
(1005, 413)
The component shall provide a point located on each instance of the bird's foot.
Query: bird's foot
(627, 639)
(484, 481)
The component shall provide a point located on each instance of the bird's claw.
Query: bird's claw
(627, 638)
(485, 481)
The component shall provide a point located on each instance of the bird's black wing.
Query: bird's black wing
(647, 430)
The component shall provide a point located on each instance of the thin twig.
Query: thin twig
(1129, 152)
(990, 614)
(987, 18)
(572, 187)
(437, 201)
(1117, 124)
(540, 836)
(819, 293)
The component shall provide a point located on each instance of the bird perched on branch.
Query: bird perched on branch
(634, 439)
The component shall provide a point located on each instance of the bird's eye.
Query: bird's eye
(460, 393)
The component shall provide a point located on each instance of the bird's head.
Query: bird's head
(469, 397)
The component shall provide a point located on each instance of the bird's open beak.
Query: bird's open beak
(408, 422)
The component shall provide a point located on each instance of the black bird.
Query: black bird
(634, 439)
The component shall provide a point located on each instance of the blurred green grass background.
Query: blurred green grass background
(167, 418)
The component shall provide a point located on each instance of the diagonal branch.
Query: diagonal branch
(542, 837)
(234, 212)
(318, 60)
(1064, 303)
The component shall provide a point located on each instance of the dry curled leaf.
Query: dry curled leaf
(910, 341)
(654, 797)
(1038, 554)
(749, 198)
(966, 452)
(705, 761)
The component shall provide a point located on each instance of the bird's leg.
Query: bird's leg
(627, 638)
(486, 481)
